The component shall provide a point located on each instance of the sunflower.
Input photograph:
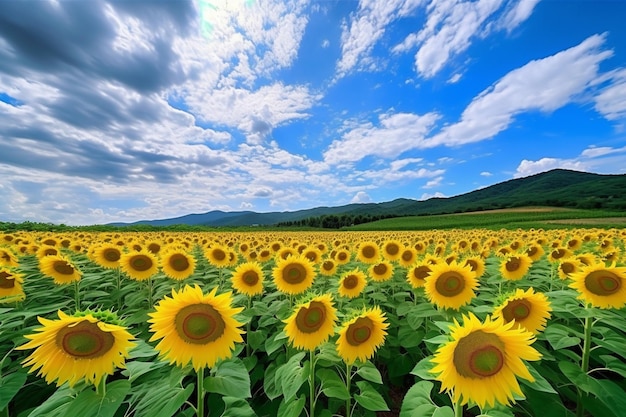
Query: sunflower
(368, 252)
(381, 271)
(194, 327)
(515, 266)
(88, 345)
(218, 256)
(8, 257)
(107, 255)
(528, 309)
(482, 361)
(11, 286)
(477, 264)
(286, 252)
(328, 267)
(177, 263)
(535, 251)
(417, 274)
(342, 256)
(360, 337)
(601, 286)
(311, 323)
(313, 254)
(45, 250)
(408, 256)
(140, 265)
(450, 286)
(392, 250)
(60, 268)
(568, 266)
(248, 279)
(293, 275)
(352, 283)
(559, 253)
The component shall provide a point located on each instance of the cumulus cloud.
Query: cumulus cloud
(428, 196)
(361, 197)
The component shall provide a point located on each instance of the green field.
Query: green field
(524, 218)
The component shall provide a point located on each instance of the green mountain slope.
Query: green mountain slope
(556, 188)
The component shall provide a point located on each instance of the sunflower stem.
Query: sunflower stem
(119, 288)
(580, 408)
(458, 408)
(150, 293)
(348, 383)
(201, 393)
(77, 294)
(312, 383)
(248, 326)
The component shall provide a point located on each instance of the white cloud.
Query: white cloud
(593, 159)
(544, 84)
(486, 174)
(436, 182)
(611, 101)
(517, 13)
(455, 78)
(428, 196)
(365, 29)
(394, 134)
(361, 197)
(325, 43)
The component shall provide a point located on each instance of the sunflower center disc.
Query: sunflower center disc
(199, 324)
(310, 320)
(407, 256)
(6, 280)
(179, 262)
(140, 263)
(219, 254)
(472, 264)
(568, 267)
(421, 272)
(63, 268)
(154, 247)
(531, 251)
(111, 255)
(84, 340)
(368, 252)
(250, 278)
(513, 264)
(380, 269)
(557, 254)
(479, 355)
(516, 310)
(342, 256)
(294, 274)
(450, 284)
(50, 251)
(392, 249)
(603, 282)
(328, 265)
(360, 331)
(350, 282)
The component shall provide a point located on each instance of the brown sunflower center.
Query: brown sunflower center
(516, 310)
(250, 278)
(63, 268)
(294, 273)
(558, 253)
(6, 280)
(380, 269)
(84, 340)
(479, 355)
(350, 282)
(111, 254)
(328, 265)
(140, 263)
(421, 272)
(450, 284)
(532, 251)
(568, 267)
(472, 264)
(199, 324)
(179, 262)
(219, 254)
(392, 249)
(513, 264)
(603, 282)
(368, 251)
(310, 320)
(50, 251)
(154, 247)
(342, 256)
(360, 331)
(407, 256)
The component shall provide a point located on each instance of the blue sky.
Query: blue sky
(129, 110)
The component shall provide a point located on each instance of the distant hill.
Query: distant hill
(556, 188)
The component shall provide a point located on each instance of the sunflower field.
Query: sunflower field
(437, 323)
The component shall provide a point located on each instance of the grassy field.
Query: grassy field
(525, 218)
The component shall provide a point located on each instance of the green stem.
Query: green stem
(458, 408)
(119, 289)
(248, 326)
(348, 383)
(150, 292)
(201, 392)
(580, 408)
(77, 294)
(312, 383)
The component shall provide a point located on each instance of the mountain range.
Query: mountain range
(555, 188)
